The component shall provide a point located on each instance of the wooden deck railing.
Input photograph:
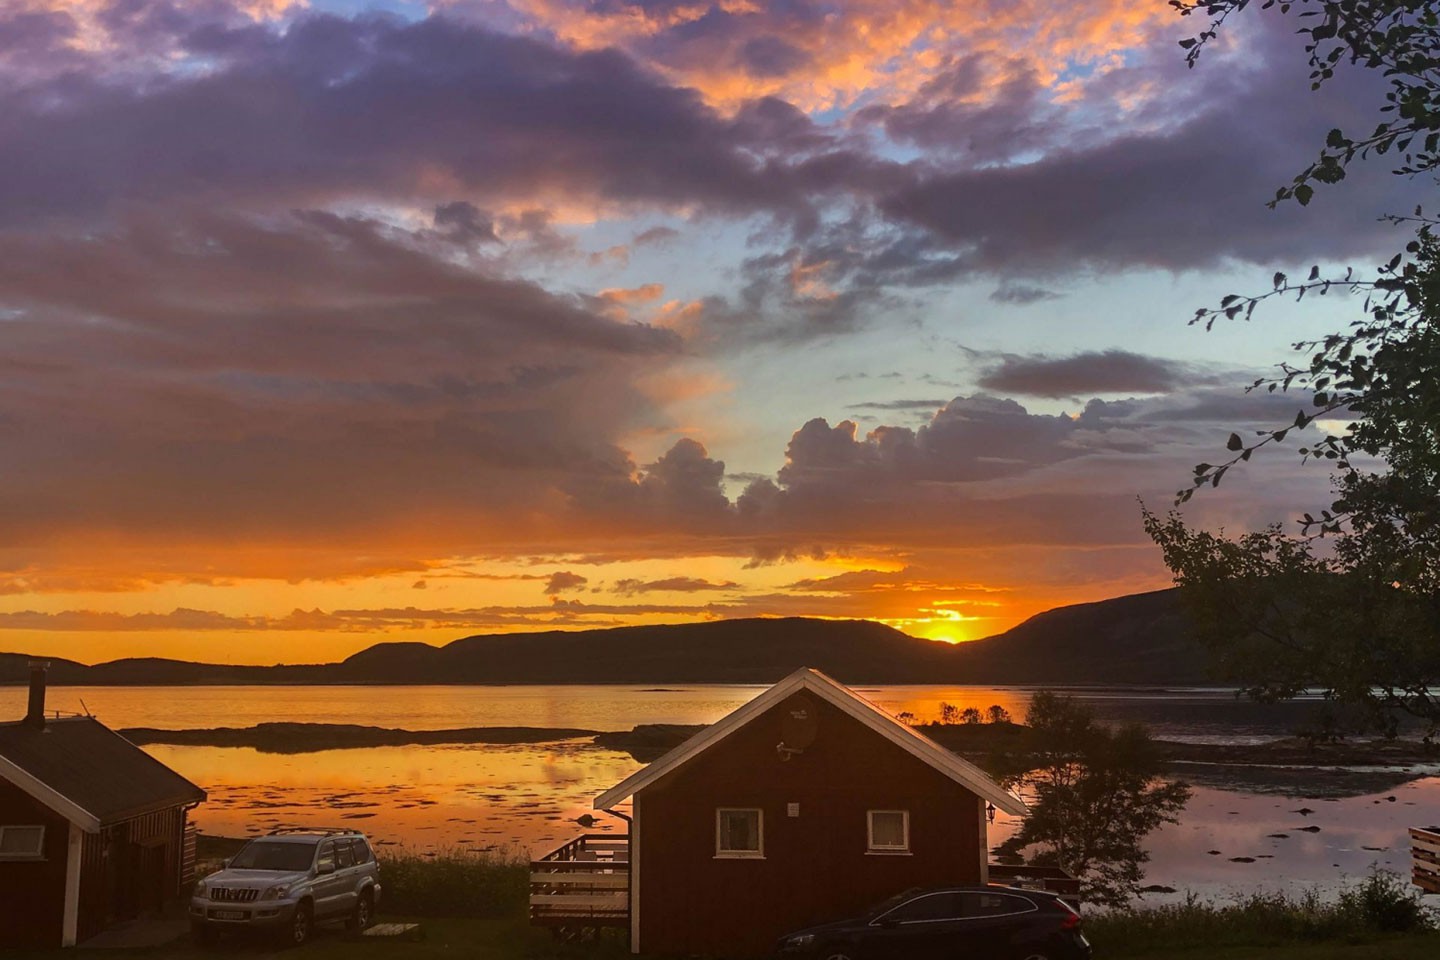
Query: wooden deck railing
(1053, 879)
(1425, 858)
(585, 883)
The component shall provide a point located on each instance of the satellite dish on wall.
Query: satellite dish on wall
(799, 723)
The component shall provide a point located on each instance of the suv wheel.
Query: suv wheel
(204, 934)
(302, 925)
(363, 914)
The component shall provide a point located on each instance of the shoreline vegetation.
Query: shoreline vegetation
(477, 902)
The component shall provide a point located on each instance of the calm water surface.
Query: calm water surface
(526, 798)
(1186, 713)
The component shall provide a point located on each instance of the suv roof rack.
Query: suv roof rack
(324, 831)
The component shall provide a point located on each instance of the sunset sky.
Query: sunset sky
(324, 324)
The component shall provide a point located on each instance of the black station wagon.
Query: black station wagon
(954, 923)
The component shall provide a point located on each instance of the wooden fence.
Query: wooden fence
(1425, 858)
(585, 883)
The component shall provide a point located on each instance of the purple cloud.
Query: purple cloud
(1089, 374)
(564, 580)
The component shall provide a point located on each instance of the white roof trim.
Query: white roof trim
(42, 792)
(956, 768)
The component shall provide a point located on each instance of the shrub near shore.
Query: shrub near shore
(1382, 904)
(455, 883)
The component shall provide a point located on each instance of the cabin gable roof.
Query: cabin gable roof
(849, 702)
(88, 773)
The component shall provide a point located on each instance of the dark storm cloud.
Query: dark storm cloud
(981, 107)
(681, 492)
(212, 373)
(465, 222)
(655, 236)
(441, 112)
(968, 439)
(899, 405)
(376, 107)
(187, 358)
(1021, 294)
(563, 580)
(1180, 186)
(35, 39)
(987, 473)
(1088, 374)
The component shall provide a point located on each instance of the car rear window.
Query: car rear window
(344, 854)
(274, 855)
(930, 906)
(995, 904)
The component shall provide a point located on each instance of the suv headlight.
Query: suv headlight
(799, 942)
(199, 889)
(275, 892)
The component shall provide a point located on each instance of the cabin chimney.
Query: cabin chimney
(36, 715)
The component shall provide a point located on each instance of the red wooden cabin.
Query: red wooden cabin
(92, 828)
(805, 805)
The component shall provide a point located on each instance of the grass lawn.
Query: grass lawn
(1421, 947)
(507, 939)
(479, 939)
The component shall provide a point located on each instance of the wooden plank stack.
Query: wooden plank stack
(1425, 858)
(408, 931)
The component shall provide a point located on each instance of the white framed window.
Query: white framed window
(739, 832)
(889, 831)
(22, 842)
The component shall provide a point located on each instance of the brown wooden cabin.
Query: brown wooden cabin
(92, 828)
(806, 805)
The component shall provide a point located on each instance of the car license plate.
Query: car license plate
(228, 914)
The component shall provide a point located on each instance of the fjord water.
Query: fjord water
(526, 798)
(1204, 714)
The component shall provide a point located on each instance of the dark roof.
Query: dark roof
(94, 768)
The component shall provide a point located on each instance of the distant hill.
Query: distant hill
(722, 651)
(1142, 638)
(1136, 639)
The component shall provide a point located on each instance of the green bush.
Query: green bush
(454, 883)
(1382, 903)
(1387, 903)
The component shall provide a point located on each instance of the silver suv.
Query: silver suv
(285, 883)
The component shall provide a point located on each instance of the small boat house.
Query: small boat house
(807, 804)
(92, 828)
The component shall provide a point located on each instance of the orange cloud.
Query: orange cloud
(820, 57)
(641, 294)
